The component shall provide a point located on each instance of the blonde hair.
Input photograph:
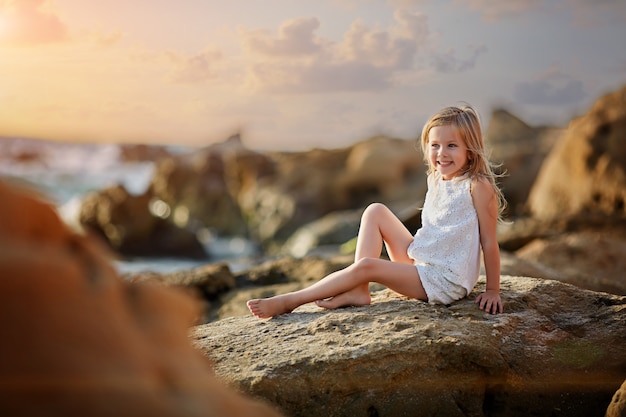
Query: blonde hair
(467, 122)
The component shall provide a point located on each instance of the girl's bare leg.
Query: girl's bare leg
(350, 286)
(378, 225)
(400, 277)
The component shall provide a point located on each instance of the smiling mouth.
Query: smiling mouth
(444, 164)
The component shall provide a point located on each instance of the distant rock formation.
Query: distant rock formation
(79, 341)
(230, 190)
(136, 225)
(521, 150)
(585, 174)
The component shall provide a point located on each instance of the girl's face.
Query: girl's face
(447, 151)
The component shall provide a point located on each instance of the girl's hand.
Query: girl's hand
(490, 302)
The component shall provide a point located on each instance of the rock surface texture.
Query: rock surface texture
(618, 405)
(556, 351)
(585, 173)
(79, 341)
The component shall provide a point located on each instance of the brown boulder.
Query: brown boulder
(137, 225)
(196, 189)
(590, 260)
(521, 149)
(617, 408)
(384, 169)
(299, 191)
(556, 350)
(208, 280)
(585, 174)
(79, 341)
(205, 283)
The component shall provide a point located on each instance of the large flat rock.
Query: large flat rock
(556, 351)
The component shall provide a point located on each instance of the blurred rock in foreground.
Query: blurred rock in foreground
(79, 341)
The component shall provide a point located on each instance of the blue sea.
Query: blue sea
(66, 172)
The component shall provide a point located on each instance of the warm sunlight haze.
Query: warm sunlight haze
(295, 75)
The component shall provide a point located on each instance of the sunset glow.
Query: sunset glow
(295, 74)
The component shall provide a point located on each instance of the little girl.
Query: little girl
(441, 263)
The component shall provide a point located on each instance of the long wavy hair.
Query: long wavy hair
(467, 121)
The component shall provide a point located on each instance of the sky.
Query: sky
(296, 74)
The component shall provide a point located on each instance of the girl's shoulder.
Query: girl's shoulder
(481, 187)
(431, 179)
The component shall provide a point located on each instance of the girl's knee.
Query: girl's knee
(364, 269)
(375, 209)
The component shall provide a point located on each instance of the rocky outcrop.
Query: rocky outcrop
(206, 284)
(229, 190)
(556, 350)
(617, 408)
(333, 229)
(521, 150)
(306, 186)
(585, 174)
(588, 259)
(268, 196)
(79, 341)
(137, 225)
(586, 252)
(195, 188)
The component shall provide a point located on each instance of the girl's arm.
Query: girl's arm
(486, 206)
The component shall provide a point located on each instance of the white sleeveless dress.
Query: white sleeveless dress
(446, 249)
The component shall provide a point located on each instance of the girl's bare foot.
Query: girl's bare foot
(264, 308)
(354, 297)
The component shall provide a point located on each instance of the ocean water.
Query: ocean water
(66, 172)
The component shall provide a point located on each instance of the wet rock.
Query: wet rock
(557, 350)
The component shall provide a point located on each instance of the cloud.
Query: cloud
(394, 49)
(196, 68)
(550, 88)
(447, 62)
(295, 37)
(29, 22)
(299, 61)
(320, 77)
